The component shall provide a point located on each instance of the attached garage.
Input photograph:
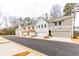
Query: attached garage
(62, 33)
(41, 34)
(24, 33)
(62, 26)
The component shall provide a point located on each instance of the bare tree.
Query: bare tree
(13, 21)
(44, 16)
(5, 21)
(55, 11)
(27, 21)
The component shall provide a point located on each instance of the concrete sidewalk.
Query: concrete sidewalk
(10, 48)
(61, 39)
(31, 37)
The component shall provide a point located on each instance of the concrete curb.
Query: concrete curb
(33, 37)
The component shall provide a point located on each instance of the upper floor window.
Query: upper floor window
(45, 25)
(36, 26)
(41, 26)
(55, 23)
(32, 27)
(24, 28)
(29, 27)
(60, 22)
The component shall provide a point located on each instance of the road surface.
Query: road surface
(50, 48)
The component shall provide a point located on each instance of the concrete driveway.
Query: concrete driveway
(51, 48)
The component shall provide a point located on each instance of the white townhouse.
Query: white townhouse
(27, 30)
(37, 28)
(41, 27)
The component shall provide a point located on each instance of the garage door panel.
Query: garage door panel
(62, 34)
(42, 34)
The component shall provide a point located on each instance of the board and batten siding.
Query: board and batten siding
(41, 28)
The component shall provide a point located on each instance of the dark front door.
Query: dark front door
(50, 33)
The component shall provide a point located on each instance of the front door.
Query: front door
(50, 33)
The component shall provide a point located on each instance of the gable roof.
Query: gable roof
(38, 19)
(43, 19)
(61, 18)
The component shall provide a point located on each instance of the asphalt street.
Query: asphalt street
(50, 48)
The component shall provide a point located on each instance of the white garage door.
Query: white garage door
(62, 34)
(41, 34)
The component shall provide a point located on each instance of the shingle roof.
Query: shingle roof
(35, 21)
(43, 19)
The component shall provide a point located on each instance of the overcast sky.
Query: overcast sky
(26, 8)
(31, 8)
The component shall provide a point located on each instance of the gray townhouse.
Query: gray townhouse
(62, 26)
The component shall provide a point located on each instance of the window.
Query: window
(45, 25)
(41, 26)
(32, 27)
(29, 27)
(55, 23)
(36, 27)
(24, 28)
(59, 22)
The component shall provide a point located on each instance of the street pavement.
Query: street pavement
(50, 48)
